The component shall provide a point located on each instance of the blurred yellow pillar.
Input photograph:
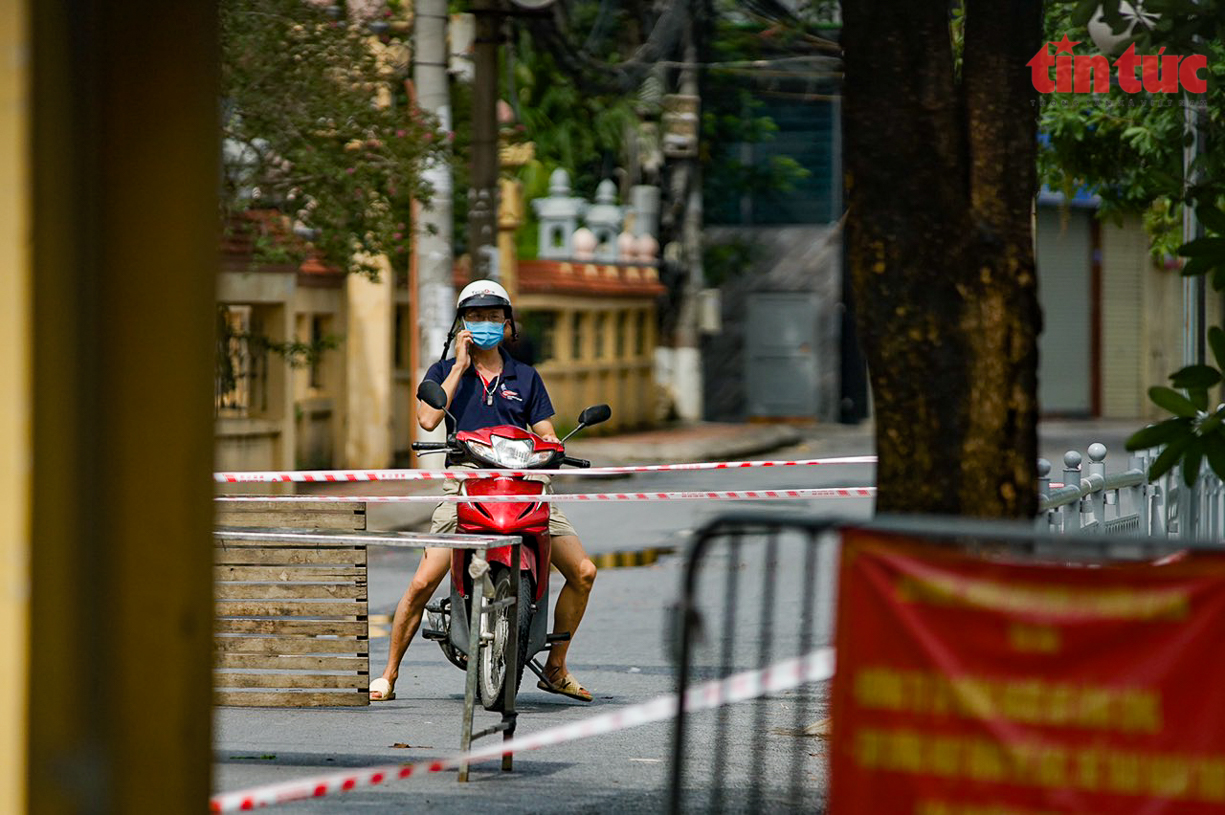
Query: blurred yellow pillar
(15, 445)
(109, 276)
(510, 218)
(511, 212)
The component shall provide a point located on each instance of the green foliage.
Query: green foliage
(587, 134)
(1194, 432)
(957, 36)
(1172, 401)
(304, 134)
(597, 134)
(723, 261)
(1129, 148)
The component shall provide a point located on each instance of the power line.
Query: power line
(751, 63)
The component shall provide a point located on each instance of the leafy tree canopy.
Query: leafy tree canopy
(588, 134)
(316, 125)
(1129, 148)
(607, 129)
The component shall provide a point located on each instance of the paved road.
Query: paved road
(620, 654)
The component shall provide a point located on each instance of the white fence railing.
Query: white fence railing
(1127, 503)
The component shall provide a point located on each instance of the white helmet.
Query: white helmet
(483, 293)
(476, 294)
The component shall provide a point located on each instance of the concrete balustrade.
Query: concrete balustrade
(1128, 503)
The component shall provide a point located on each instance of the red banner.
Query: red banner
(978, 685)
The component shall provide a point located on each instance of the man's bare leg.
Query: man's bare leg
(571, 560)
(431, 571)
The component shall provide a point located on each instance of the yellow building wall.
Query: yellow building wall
(319, 389)
(1142, 319)
(368, 350)
(265, 438)
(603, 351)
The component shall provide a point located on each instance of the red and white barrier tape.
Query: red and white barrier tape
(816, 666)
(334, 476)
(578, 497)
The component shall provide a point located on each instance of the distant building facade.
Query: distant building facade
(1112, 316)
(302, 349)
(776, 351)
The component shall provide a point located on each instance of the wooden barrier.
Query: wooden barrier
(291, 625)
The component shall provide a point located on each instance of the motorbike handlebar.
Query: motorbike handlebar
(439, 447)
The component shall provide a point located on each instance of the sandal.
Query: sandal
(567, 686)
(384, 690)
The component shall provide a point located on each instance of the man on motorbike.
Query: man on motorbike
(485, 386)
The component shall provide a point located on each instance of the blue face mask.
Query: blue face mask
(485, 335)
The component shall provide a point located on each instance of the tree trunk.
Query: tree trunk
(940, 179)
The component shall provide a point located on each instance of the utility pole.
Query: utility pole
(1193, 288)
(434, 293)
(1193, 297)
(483, 194)
(681, 137)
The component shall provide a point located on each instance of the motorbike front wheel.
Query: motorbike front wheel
(491, 666)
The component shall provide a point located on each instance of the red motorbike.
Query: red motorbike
(510, 448)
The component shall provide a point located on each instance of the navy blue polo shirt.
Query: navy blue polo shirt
(519, 396)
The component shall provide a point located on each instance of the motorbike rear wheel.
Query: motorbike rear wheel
(440, 620)
(491, 664)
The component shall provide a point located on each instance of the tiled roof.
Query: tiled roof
(238, 247)
(579, 278)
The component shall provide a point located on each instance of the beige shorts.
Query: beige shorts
(445, 514)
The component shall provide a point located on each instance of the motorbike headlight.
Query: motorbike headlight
(517, 453)
(482, 451)
(513, 454)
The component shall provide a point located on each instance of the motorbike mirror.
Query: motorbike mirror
(594, 415)
(432, 394)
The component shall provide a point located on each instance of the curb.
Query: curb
(752, 439)
(631, 558)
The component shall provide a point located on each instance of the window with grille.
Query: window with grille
(319, 324)
(241, 380)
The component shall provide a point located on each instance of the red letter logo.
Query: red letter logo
(1126, 65)
(1188, 73)
(1041, 68)
(1157, 73)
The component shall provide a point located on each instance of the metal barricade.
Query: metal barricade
(760, 589)
(756, 591)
